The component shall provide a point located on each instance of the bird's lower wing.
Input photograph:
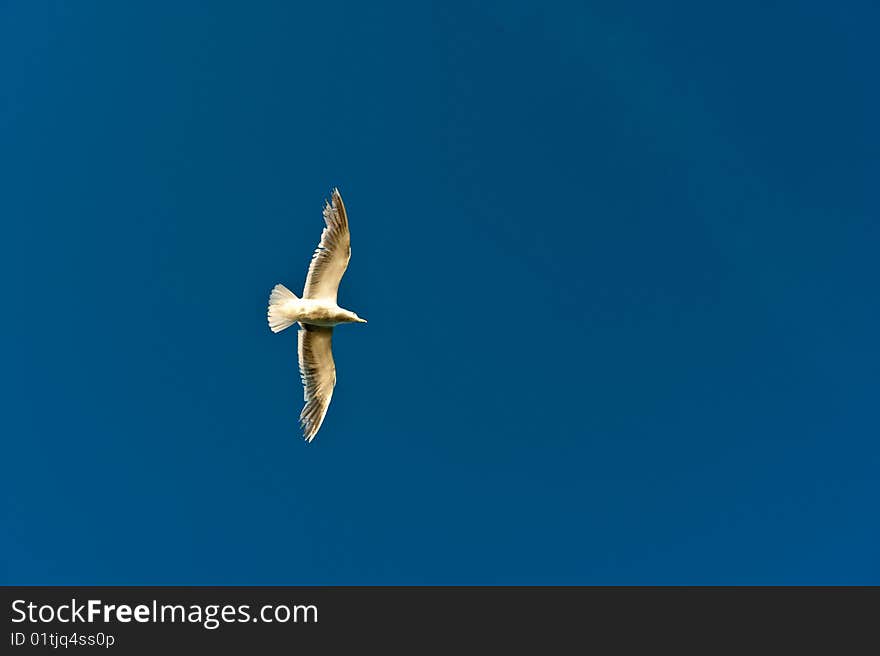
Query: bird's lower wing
(318, 373)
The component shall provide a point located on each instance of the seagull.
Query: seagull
(317, 313)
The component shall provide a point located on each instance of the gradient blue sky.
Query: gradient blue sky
(620, 263)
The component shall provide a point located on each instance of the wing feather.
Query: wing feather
(318, 372)
(330, 259)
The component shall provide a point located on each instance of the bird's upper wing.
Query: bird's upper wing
(330, 258)
(318, 372)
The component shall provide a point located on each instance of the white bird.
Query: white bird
(317, 313)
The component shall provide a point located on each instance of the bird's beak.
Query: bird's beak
(361, 320)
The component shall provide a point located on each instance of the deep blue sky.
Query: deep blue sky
(619, 260)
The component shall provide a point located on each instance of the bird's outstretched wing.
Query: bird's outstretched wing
(330, 258)
(318, 373)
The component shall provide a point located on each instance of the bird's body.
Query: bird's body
(317, 312)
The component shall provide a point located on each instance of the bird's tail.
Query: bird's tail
(279, 319)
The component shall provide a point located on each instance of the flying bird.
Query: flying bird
(317, 313)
